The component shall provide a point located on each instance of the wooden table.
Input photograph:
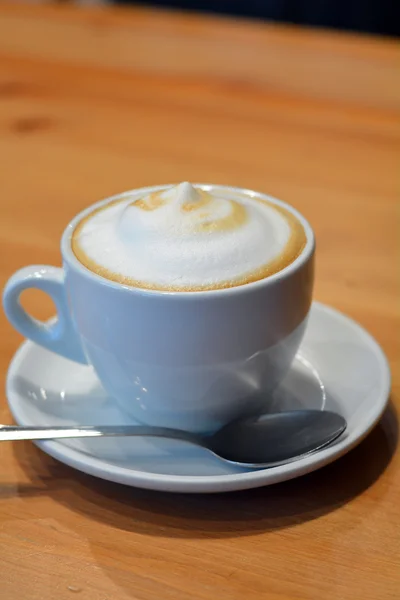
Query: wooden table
(93, 102)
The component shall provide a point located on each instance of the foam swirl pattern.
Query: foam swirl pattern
(185, 238)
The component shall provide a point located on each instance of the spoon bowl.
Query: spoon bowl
(274, 439)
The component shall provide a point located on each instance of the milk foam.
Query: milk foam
(184, 238)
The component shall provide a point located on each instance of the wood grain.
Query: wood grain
(93, 102)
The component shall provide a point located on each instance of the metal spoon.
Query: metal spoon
(262, 441)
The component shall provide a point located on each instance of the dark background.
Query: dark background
(373, 16)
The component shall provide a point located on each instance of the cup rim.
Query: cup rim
(76, 265)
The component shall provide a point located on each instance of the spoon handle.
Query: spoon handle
(10, 433)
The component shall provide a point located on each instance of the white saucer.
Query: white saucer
(339, 367)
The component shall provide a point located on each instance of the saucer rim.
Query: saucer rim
(217, 483)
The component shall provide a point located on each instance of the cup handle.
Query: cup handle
(59, 336)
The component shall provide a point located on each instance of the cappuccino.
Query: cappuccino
(187, 238)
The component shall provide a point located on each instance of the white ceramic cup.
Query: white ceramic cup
(191, 360)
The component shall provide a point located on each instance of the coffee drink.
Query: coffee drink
(187, 238)
(194, 360)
